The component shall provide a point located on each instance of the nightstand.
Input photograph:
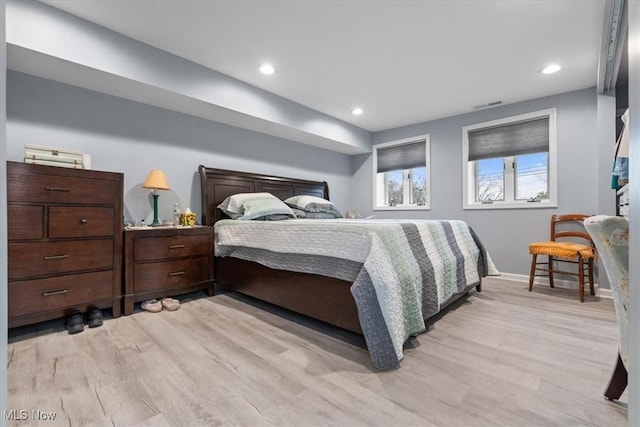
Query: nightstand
(166, 261)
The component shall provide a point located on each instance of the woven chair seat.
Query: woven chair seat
(566, 250)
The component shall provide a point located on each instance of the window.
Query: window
(401, 174)
(510, 163)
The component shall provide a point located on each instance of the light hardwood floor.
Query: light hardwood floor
(501, 357)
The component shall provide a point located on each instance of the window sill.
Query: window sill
(401, 208)
(500, 205)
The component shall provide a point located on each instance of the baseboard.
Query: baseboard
(559, 283)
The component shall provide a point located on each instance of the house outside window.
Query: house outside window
(401, 174)
(510, 162)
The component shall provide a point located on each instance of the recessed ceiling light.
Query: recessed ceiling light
(550, 69)
(267, 69)
(357, 111)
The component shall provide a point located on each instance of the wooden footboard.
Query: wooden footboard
(319, 297)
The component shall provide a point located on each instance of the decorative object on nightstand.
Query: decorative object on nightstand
(176, 214)
(188, 218)
(156, 181)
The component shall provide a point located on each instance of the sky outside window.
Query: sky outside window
(532, 179)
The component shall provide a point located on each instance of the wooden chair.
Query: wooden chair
(579, 250)
(611, 236)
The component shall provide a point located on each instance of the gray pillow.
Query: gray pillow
(314, 205)
(321, 215)
(299, 213)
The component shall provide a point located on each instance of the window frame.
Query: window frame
(382, 182)
(469, 175)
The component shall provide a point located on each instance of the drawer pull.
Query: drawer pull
(176, 246)
(56, 257)
(48, 294)
(176, 273)
(83, 221)
(56, 189)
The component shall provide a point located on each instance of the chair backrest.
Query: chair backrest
(559, 232)
(611, 236)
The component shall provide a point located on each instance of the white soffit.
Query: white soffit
(74, 51)
(403, 62)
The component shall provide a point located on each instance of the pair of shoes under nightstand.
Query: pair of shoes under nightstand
(155, 306)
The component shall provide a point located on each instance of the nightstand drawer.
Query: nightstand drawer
(79, 221)
(170, 274)
(27, 187)
(25, 222)
(44, 258)
(54, 293)
(157, 248)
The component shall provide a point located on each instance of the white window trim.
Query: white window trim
(468, 176)
(427, 205)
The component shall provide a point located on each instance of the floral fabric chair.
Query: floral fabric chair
(611, 236)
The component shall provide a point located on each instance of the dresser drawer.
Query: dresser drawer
(24, 187)
(44, 258)
(79, 221)
(25, 222)
(170, 274)
(55, 293)
(156, 248)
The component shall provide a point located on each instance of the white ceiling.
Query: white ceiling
(403, 62)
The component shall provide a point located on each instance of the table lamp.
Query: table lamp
(156, 181)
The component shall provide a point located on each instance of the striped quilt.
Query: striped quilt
(402, 271)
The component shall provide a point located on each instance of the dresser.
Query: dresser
(166, 261)
(64, 241)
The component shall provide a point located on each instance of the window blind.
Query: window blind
(405, 156)
(531, 136)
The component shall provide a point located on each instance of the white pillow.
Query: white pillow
(248, 206)
(236, 201)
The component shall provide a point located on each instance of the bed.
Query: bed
(353, 289)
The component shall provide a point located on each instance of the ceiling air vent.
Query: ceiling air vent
(490, 104)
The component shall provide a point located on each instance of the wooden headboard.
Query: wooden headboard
(218, 184)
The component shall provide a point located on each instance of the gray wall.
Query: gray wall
(129, 137)
(506, 233)
(133, 138)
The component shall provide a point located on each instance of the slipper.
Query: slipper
(94, 318)
(170, 304)
(75, 322)
(153, 306)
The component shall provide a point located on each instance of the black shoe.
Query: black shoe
(75, 322)
(94, 318)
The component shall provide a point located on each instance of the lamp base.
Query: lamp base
(155, 222)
